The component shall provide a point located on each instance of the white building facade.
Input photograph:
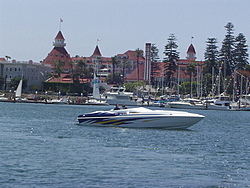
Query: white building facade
(35, 73)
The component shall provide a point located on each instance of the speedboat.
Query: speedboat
(141, 117)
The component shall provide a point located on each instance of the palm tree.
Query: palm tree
(58, 67)
(115, 63)
(72, 63)
(126, 66)
(7, 57)
(138, 55)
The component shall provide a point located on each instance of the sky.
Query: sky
(28, 27)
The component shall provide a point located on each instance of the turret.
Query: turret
(59, 40)
(191, 54)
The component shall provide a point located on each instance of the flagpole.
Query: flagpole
(60, 26)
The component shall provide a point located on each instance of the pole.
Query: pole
(224, 82)
(234, 85)
(191, 86)
(213, 82)
(178, 81)
(219, 82)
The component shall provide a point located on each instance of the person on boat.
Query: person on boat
(124, 107)
(116, 107)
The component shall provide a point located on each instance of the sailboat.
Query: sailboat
(18, 95)
(96, 98)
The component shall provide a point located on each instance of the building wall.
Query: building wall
(36, 73)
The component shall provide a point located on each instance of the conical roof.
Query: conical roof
(59, 35)
(97, 52)
(191, 49)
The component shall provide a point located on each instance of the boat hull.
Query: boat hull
(170, 120)
(180, 105)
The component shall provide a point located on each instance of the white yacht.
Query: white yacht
(62, 100)
(187, 104)
(220, 102)
(242, 104)
(118, 95)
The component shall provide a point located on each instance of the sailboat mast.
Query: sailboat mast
(213, 82)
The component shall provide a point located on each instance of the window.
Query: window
(6, 69)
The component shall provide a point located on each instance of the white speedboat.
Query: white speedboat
(140, 117)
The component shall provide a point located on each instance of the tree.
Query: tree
(114, 79)
(115, 63)
(138, 55)
(81, 67)
(211, 56)
(7, 57)
(2, 80)
(172, 56)
(81, 71)
(15, 81)
(247, 67)
(133, 87)
(154, 62)
(126, 66)
(191, 70)
(227, 50)
(58, 67)
(240, 52)
(72, 63)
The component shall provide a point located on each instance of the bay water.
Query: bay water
(43, 145)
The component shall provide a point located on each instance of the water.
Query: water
(43, 146)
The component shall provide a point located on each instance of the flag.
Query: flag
(61, 20)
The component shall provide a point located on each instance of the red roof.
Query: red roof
(191, 49)
(132, 55)
(134, 76)
(59, 35)
(97, 52)
(65, 78)
(58, 54)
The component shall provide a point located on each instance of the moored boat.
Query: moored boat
(62, 100)
(220, 102)
(120, 96)
(243, 104)
(141, 117)
(187, 104)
